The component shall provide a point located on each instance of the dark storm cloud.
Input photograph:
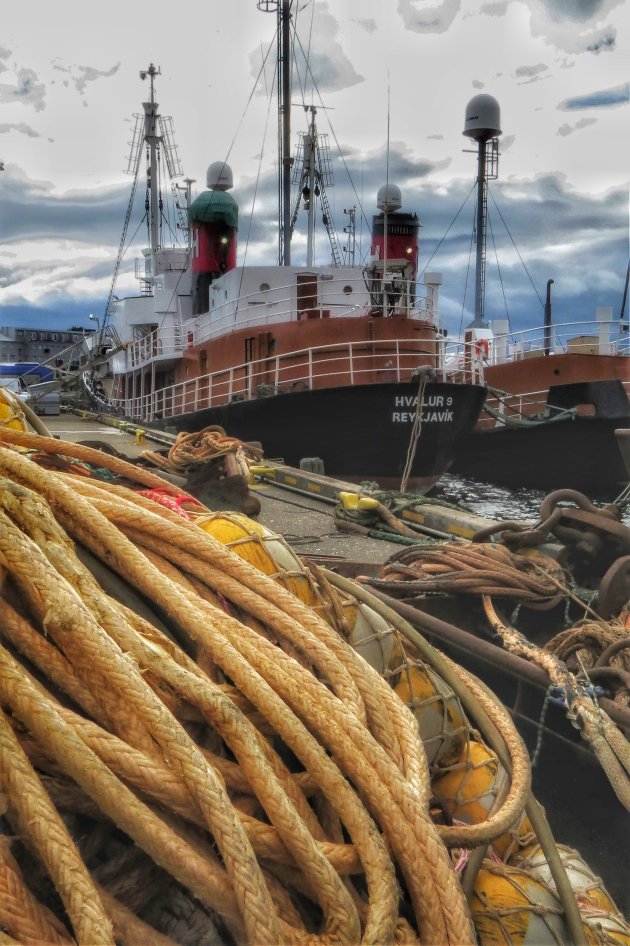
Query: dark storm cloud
(578, 10)
(589, 270)
(605, 44)
(427, 17)
(26, 90)
(32, 210)
(605, 98)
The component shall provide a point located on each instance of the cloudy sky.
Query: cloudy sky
(69, 85)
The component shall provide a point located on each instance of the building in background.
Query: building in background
(40, 346)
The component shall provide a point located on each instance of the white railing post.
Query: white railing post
(277, 372)
(196, 394)
(350, 358)
(398, 359)
(230, 384)
(310, 368)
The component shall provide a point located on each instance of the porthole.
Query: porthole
(264, 287)
(347, 290)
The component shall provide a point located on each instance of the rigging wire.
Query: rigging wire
(472, 239)
(516, 248)
(251, 216)
(496, 256)
(336, 140)
(189, 251)
(451, 224)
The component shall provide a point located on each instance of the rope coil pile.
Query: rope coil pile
(224, 768)
(196, 449)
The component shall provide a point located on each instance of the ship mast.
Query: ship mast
(282, 8)
(483, 124)
(153, 140)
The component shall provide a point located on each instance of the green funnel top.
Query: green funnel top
(215, 207)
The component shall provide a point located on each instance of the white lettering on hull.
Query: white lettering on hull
(428, 417)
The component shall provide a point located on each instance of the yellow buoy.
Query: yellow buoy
(441, 721)
(605, 928)
(511, 908)
(11, 414)
(469, 789)
(371, 636)
(519, 836)
(263, 549)
(588, 888)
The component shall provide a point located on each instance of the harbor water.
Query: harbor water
(500, 502)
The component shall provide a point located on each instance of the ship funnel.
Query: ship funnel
(389, 198)
(483, 118)
(219, 176)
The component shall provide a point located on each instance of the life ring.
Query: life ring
(482, 348)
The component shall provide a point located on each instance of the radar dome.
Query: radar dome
(389, 198)
(219, 176)
(483, 117)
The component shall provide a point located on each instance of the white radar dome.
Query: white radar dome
(483, 117)
(219, 176)
(389, 198)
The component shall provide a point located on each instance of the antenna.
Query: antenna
(483, 124)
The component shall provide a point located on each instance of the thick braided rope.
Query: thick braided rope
(243, 740)
(513, 804)
(377, 866)
(202, 875)
(414, 841)
(316, 651)
(409, 805)
(402, 743)
(430, 909)
(51, 661)
(412, 758)
(49, 544)
(75, 629)
(40, 823)
(280, 771)
(20, 912)
(375, 692)
(89, 455)
(420, 875)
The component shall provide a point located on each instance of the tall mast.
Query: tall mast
(282, 8)
(483, 124)
(153, 139)
(309, 167)
(284, 119)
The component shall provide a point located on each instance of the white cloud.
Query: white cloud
(27, 90)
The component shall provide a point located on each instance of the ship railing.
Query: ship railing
(335, 365)
(154, 345)
(605, 336)
(267, 306)
(529, 405)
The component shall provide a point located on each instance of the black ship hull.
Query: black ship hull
(360, 432)
(581, 454)
(578, 451)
